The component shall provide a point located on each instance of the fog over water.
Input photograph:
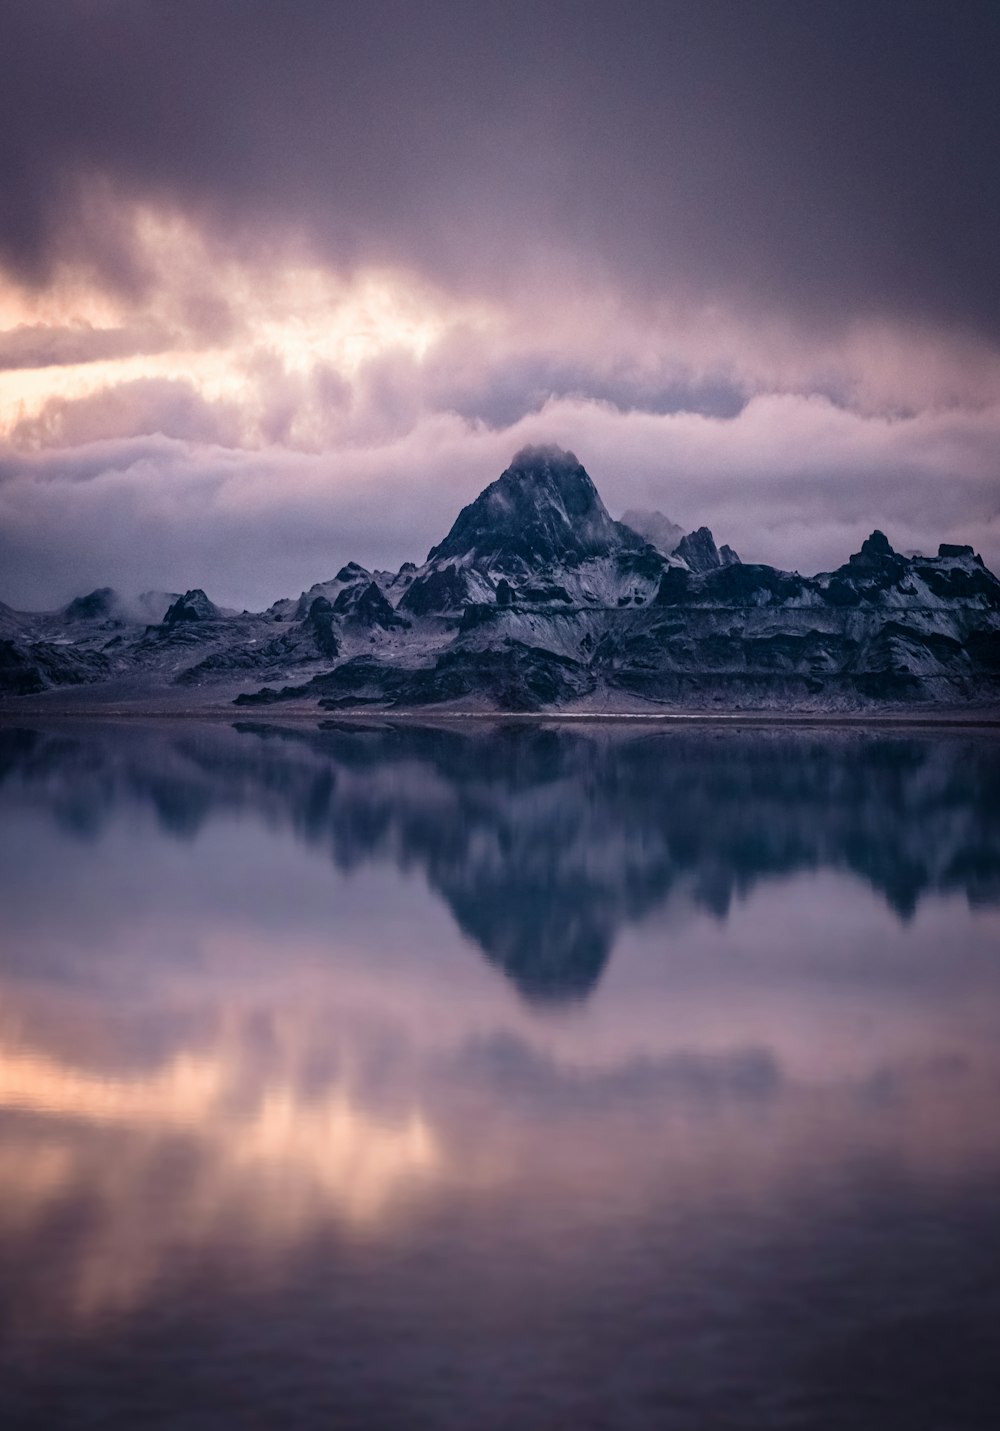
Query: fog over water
(526, 1075)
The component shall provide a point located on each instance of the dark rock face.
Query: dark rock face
(698, 549)
(969, 582)
(444, 588)
(873, 548)
(366, 604)
(875, 567)
(514, 677)
(19, 674)
(26, 668)
(545, 593)
(353, 572)
(543, 509)
(320, 621)
(736, 584)
(99, 605)
(363, 680)
(192, 606)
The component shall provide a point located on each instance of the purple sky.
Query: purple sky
(282, 286)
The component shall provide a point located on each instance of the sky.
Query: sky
(283, 286)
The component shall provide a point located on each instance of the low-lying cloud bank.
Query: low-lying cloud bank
(797, 481)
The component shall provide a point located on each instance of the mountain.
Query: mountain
(538, 599)
(192, 606)
(99, 605)
(544, 509)
(539, 534)
(697, 550)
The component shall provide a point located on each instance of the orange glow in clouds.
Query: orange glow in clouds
(222, 324)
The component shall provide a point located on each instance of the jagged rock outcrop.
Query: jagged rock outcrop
(697, 549)
(321, 622)
(699, 552)
(446, 587)
(100, 605)
(192, 606)
(27, 668)
(365, 603)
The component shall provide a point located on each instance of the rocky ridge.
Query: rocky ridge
(535, 599)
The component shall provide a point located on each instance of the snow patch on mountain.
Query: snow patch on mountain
(538, 598)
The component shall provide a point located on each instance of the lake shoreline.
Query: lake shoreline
(269, 715)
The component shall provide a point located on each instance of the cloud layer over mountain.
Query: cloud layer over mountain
(280, 287)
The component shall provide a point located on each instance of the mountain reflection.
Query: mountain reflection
(268, 1122)
(546, 841)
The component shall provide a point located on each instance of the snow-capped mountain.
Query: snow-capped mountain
(537, 598)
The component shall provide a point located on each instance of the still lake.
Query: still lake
(499, 1076)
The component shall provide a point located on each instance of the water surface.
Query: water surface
(499, 1077)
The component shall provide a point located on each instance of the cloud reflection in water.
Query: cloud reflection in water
(501, 1018)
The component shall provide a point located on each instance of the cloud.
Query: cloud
(280, 293)
(131, 409)
(791, 480)
(825, 162)
(39, 345)
(310, 360)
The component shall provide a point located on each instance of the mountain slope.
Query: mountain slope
(536, 599)
(544, 509)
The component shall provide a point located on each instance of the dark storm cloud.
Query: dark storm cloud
(827, 160)
(502, 392)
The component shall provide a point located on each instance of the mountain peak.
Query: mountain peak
(698, 549)
(192, 606)
(877, 544)
(542, 508)
(876, 552)
(97, 605)
(542, 456)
